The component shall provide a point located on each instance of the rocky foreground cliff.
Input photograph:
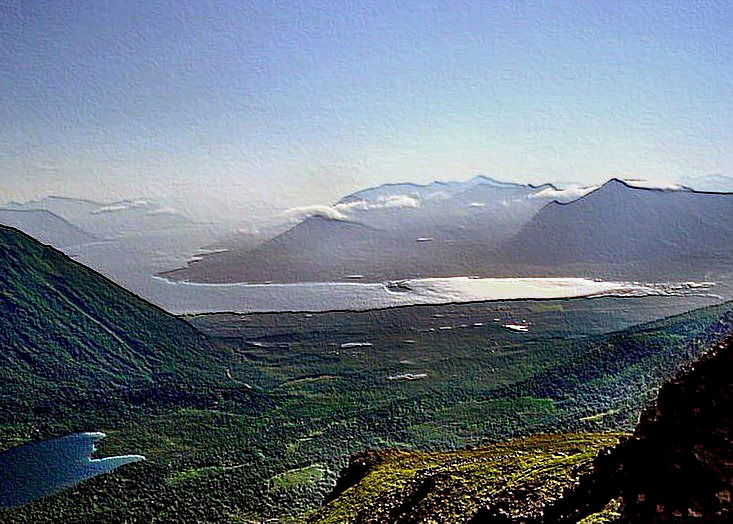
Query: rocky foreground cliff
(676, 467)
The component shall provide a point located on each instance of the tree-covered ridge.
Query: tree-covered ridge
(675, 467)
(71, 336)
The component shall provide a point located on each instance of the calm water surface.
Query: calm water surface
(42, 468)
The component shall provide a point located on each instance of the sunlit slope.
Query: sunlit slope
(515, 480)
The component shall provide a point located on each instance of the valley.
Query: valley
(269, 407)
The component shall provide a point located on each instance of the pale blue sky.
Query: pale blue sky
(235, 102)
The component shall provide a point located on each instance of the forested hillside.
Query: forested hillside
(71, 336)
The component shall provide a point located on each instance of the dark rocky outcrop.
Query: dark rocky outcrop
(679, 465)
(359, 466)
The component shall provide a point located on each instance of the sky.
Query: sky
(235, 107)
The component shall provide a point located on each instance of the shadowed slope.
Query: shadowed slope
(67, 333)
(679, 466)
(619, 223)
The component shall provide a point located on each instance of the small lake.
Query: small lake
(37, 469)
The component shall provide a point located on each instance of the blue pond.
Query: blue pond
(46, 467)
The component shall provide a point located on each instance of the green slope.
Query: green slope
(80, 353)
(69, 335)
(676, 457)
(516, 479)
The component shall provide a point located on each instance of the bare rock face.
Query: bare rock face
(679, 465)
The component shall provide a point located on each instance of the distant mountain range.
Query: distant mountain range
(46, 226)
(104, 220)
(389, 232)
(128, 241)
(480, 227)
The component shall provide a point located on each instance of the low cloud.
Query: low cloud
(396, 201)
(718, 183)
(297, 214)
(341, 211)
(575, 192)
(162, 211)
(653, 184)
(564, 195)
(112, 208)
(121, 206)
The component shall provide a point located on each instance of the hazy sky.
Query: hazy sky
(229, 103)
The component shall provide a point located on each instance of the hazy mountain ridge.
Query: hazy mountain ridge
(128, 241)
(436, 188)
(482, 227)
(619, 223)
(108, 220)
(46, 226)
(396, 231)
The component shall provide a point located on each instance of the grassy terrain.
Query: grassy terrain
(217, 462)
(256, 420)
(611, 514)
(306, 476)
(521, 476)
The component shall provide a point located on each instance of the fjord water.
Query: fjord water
(188, 297)
(135, 272)
(45, 467)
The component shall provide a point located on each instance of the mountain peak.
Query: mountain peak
(613, 186)
(616, 182)
(640, 184)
